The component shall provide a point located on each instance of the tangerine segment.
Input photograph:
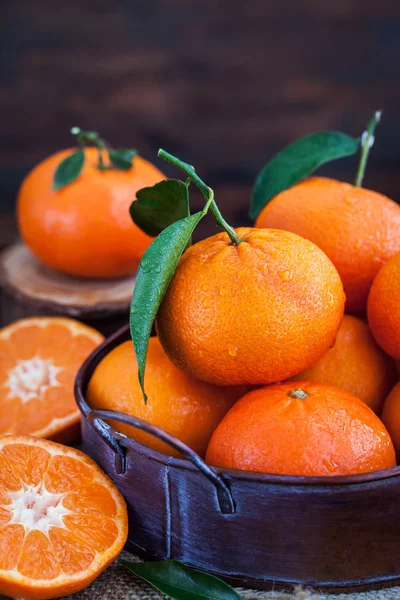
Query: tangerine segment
(66, 474)
(11, 540)
(97, 532)
(5, 516)
(62, 521)
(72, 554)
(39, 359)
(94, 500)
(29, 463)
(37, 557)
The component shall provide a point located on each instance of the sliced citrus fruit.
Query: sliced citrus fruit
(62, 521)
(39, 359)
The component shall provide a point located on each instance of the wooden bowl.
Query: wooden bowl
(253, 530)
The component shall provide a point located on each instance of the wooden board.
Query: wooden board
(31, 289)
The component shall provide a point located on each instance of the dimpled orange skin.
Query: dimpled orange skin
(358, 229)
(255, 313)
(384, 307)
(355, 364)
(391, 416)
(329, 433)
(188, 409)
(85, 228)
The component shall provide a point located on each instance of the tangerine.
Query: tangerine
(355, 364)
(302, 428)
(384, 307)
(358, 229)
(85, 229)
(391, 416)
(62, 521)
(188, 409)
(254, 313)
(39, 359)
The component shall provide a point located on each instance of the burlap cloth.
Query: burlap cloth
(117, 583)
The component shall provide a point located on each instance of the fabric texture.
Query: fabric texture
(117, 583)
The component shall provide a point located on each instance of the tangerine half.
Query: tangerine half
(62, 521)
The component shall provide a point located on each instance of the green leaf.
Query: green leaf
(179, 582)
(159, 206)
(69, 169)
(122, 158)
(298, 160)
(156, 269)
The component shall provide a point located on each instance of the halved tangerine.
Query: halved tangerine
(62, 521)
(39, 359)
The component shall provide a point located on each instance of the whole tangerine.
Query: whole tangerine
(355, 364)
(358, 229)
(304, 429)
(391, 416)
(187, 409)
(85, 228)
(253, 313)
(384, 307)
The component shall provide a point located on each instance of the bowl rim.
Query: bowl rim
(122, 334)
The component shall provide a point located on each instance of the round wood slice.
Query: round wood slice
(31, 289)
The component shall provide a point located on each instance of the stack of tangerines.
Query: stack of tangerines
(275, 352)
(62, 521)
(73, 214)
(261, 310)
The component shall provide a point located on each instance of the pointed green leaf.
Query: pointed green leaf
(298, 160)
(156, 269)
(122, 158)
(179, 582)
(159, 206)
(69, 169)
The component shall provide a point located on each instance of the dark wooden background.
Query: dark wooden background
(223, 84)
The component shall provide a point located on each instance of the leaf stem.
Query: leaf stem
(207, 192)
(367, 141)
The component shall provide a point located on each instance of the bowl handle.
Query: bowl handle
(95, 417)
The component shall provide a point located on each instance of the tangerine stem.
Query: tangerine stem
(367, 141)
(207, 192)
(91, 137)
(298, 393)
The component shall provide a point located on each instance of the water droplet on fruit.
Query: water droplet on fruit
(232, 351)
(349, 200)
(222, 291)
(206, 303)
(285, 275)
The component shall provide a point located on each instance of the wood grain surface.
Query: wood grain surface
(222, 84)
